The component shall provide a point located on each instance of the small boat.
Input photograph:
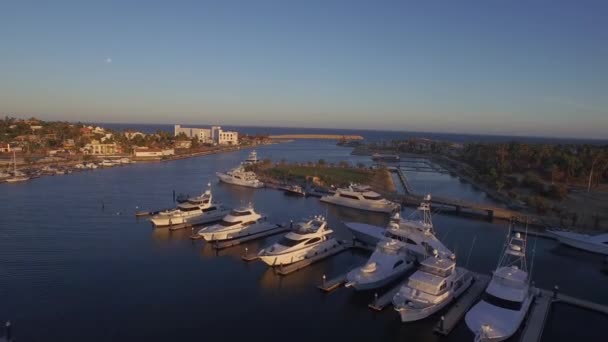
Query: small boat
(506, 300)
(361, 197)
(417, 232)
(91, 166)
(390, 260)
(107, 163)
(431, 288)
(17, 176)
(238, 176)
(196, 210)
(307, 239)
(238, 223)
(295, 190)
(385, 157)
(591, 243)
(125, 161)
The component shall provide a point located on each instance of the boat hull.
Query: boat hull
(360, 205)
(370, 284)
(298, 255)
(580, 244)
(166, 221)
(231, 180)
(366, 233)
(229, 234)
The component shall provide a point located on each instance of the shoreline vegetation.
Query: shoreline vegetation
(323, 175)
(563, 185)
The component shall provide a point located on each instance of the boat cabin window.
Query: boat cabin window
(189, 209)
(287, 242)
(311, 241)
(398, 263)
(443, 286)
(502, 303)
(373, 197)
(228, 224)
(249, 223)
(240, 213)
(349, 196)
(436, 271)
(209, 209)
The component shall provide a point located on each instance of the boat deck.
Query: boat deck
(234, 242)
(460, 307)
(288, 269)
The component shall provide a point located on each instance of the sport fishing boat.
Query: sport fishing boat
(361, 197)
(506, 300)
(307, 239)
(239, 176)
(433, 286)
(252, 158)
(195, 210)
(417, 232)
(239, 222)
(591, 243)
(390, 260)
(295, 190)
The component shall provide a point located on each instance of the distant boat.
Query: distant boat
(385, 157)
(252, 158)
(591, 243)
(18, 176)
(361, 197)
(238, 176)
(295, 190)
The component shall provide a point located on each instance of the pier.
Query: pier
(381, 302)
(459, 308)
(407, 188)
(333, 283)
(537, 317)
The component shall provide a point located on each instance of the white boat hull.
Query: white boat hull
(161, 221)
(298, 255)
(231, 180)
(366, 233)
(478, 316)
(233, 233)
(375, 282)
(580, 243)
(361, 205)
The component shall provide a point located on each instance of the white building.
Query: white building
(203, 134)
(228, 138)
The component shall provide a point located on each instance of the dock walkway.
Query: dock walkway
(460, 307)
(333, 283)
(381, 302)
(537, 317)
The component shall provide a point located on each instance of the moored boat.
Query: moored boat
(239, 222)
(591, 243)
(361, 197)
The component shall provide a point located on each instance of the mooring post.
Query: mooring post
(246, 251)
(9, 334)
(441, 322)
(555, 290)
(376, 298)
(324, 280)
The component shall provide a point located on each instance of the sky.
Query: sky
(486, 67)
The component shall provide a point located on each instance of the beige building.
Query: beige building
(96, 148)
(228, 138)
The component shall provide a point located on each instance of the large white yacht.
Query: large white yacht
(361, 197)
(307, 239)
(433, 286)
(506, 300)
(195, 210)
(417, 233)
(238, 223)
(390, 260)
(591, 243)
(239, 176)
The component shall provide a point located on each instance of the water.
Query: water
(72, 270)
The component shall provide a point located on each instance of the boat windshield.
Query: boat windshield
(228, 224)
(372, 197)
(240, 213)
(287, 242)
(502, 303)
(186, 209)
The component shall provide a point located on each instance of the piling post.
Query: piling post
(246, 251)
(9, 333)
(324, 280)
(376, 297)
(441, 322)
(555, 290)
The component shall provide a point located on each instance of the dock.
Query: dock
(381, 302)
(240, 240)
(460, 307)
(537, 317)
(333, 283)
(288, 269)
(404, 182)
(582, 303)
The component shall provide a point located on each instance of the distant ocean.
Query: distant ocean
(369, 135)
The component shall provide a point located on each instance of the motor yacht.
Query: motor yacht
(390, 260)
(307, 239)
(295, 190)
(239, 176)
(238, 223)
(591, 243)
(432, 287)
(196, 210)
(506, 300)
(361, 197)
(416, 232)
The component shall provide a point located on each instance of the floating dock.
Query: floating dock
(460, 307)
(333, 283)
(288, 269)
(237, 241)
(381, 302)
(537, 317)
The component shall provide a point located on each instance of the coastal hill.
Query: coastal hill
(317, 136)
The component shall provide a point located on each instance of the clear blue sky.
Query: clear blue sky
(497, 67)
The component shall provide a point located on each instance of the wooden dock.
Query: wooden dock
(537, 317)
(460, 307)
(381, 302)
(288, 269)
(333, 283)
(582, 303)
(240, 240)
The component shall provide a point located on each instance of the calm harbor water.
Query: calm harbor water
(76, 265)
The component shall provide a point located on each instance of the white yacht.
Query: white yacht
(295, 190)
(506, 300)
(307, 239)
(239, 176)
(361, 197)
(17, 176)
(417, 233)
(591, 243)
(195, 210)
(238, 223)
(433, 286)
(252, 158)
(390, 260)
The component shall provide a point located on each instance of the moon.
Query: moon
(108, 60)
